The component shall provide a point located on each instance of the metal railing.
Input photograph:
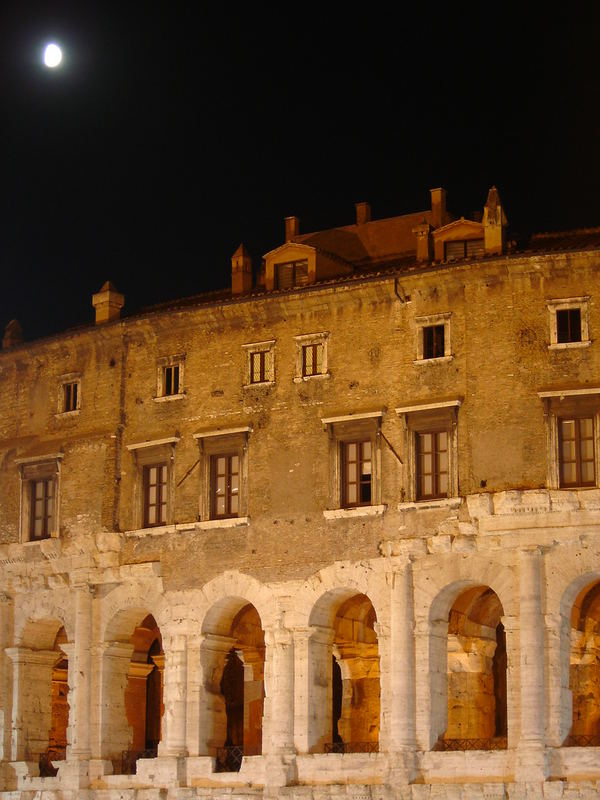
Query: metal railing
(129, 759)
(229, 759)
(352, 747)
(582, 740)
(496, 743)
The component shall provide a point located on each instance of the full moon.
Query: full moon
(52, 55)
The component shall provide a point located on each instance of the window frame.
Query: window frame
(310, 340)
(342, 431)
(579, 483)
(229, 492)
(424, 418)
(268, 349)
(436, 471)
(162, 494)
(360, 461)
(569, 304)
(158, 452)
(72, 379)
(225, 442)
(565, 405)
(433, 321)
(295, 265)
(163, 366)
(34, 470)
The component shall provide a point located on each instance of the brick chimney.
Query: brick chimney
(494, 224)
(292, 228)
(438, 207)
(13, 334)
(363, 213)
(241, 271)
(422, 232)
(108, 303)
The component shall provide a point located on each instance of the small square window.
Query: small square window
(569, 323)
(357, 473)
(311, 356)
(433, 338)
(224, 485)
(69, 394)
(169, 380)
(433, 341)
(576, 450)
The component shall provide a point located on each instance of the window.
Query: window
(471, 248)
(169, 380)
(576, 452)
(154, 462)
(69, 394)
(569, 325)
(433, 338)
(357, 471)
(433, 341)
(155, 495)
(311, 356)
(292, 273)
(432, 464)
(260, 363)
(223, 474)
(224, 485)
(39, 497)
(312, 359)
(431, 469)
(354, 464)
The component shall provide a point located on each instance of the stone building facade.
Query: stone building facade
(333, 532)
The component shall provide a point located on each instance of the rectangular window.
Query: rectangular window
(41, 508)
(576, 452)
(357, 471)
(259, 367)
(171, 380)
(312, 359)
(433, 341)
(568, 325)
(70, 396)
(291, 274)
(432, 465)
(224, 485)
(155, 495)
(471, 248)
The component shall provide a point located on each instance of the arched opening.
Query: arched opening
(133, 688)
(40, 702)
(584, 677)
(234, 660)
(344, 682)
(476, 673)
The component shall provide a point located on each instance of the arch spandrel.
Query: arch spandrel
(224, 596)
(40, 633)
(125, 608)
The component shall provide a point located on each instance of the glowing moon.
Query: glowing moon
(52, 55)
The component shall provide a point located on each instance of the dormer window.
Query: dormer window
(292, 273)
(470, 248)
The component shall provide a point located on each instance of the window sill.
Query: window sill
(68, 414)
(304, 378)
(442, 502)
(168, 397)
(569, 345)
(258, 384)
(440, 360)
(359, 511)
(228, 522)
(156, 530)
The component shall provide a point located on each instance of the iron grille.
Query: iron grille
(229, 759)
(129, 759)
(497, 743)
(352, 747)
(582, 740)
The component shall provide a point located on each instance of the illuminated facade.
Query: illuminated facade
(333, 531)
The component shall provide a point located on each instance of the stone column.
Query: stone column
(301, 638)
(402, 667)
(559, 717)
(530, 765)
(278, 720)
(173, 741)
(6, 623)
(80, 672)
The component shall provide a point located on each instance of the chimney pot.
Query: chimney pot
(438, 207)
(241, 271)
(292, 228)
(108, 303)
(13, 334)
(363, 213)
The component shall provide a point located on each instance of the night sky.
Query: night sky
(173, 131)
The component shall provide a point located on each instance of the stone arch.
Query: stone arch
(233, 584)
(131, 687)
(344, 676)
(580, 605)
(40, 675)
(232, 657)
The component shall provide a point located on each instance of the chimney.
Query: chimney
(363, 213)
(241, 271)
(422, 232)
(438, 207)
(108, 303)
(494, 224)
(292, 228)
(13, 334)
